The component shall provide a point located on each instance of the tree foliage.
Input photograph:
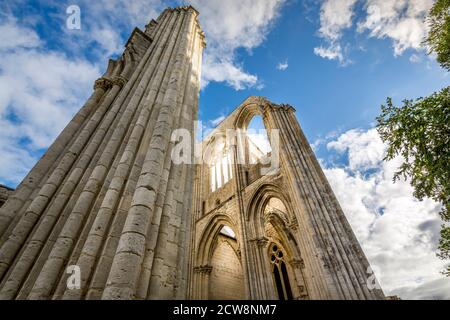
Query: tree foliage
(419, 131)
(438, 39)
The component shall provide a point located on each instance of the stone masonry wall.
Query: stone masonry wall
(227, 279)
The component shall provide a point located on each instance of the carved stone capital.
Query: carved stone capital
(261, 242)
(119, 80)
(293, 225)
(298, 263)
(205, 269)
(103, 83)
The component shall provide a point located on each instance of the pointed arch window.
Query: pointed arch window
(280, 274)
(221, 171)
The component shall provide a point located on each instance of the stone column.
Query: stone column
(298, 265)
(262, 268)
(126, 266)
(202, 278)
(94, 241)
(246, 249)
(337, 270)
(89, 203)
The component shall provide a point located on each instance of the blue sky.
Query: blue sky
(335, 61)
(328, 97)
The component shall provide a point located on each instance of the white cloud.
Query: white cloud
(39, 92)
(230, 25)
(414, 58)
(106, 25)
(108, 40)
(283, 65)
(434, 290)
(226, 71)
(333, 52)
(15, 161)
(365, 149)
(402, 21)
(398, 233)
(335, 17)
(12, 37)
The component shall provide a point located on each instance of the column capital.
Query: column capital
(206, 269)
(261, 242)
(119, 80)
(293, 225)
(298, 263)
(103, 83)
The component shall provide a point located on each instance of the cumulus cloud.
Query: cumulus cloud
(434, 290)
(398, 233)
(11, 36)
(335, 17)
(40, 90)
(230, 25)
(365, 150)
(15, 161)
(106, 25)
(401, 21)
(333, 52)
(225, 70)
(282, 65)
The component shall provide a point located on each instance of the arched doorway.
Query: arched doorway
(226, 281)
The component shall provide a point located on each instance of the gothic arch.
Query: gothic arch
(258, 202)
(207, 279)
(209, 236)
(251, 108)
(308, 225)
(258, 223)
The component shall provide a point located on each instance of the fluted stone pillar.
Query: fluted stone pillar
(105, 197)
(336, 264)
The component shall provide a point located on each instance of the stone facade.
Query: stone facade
(291, 208)
(107, 198)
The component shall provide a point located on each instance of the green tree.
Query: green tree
(438, 39)
(419, 131)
